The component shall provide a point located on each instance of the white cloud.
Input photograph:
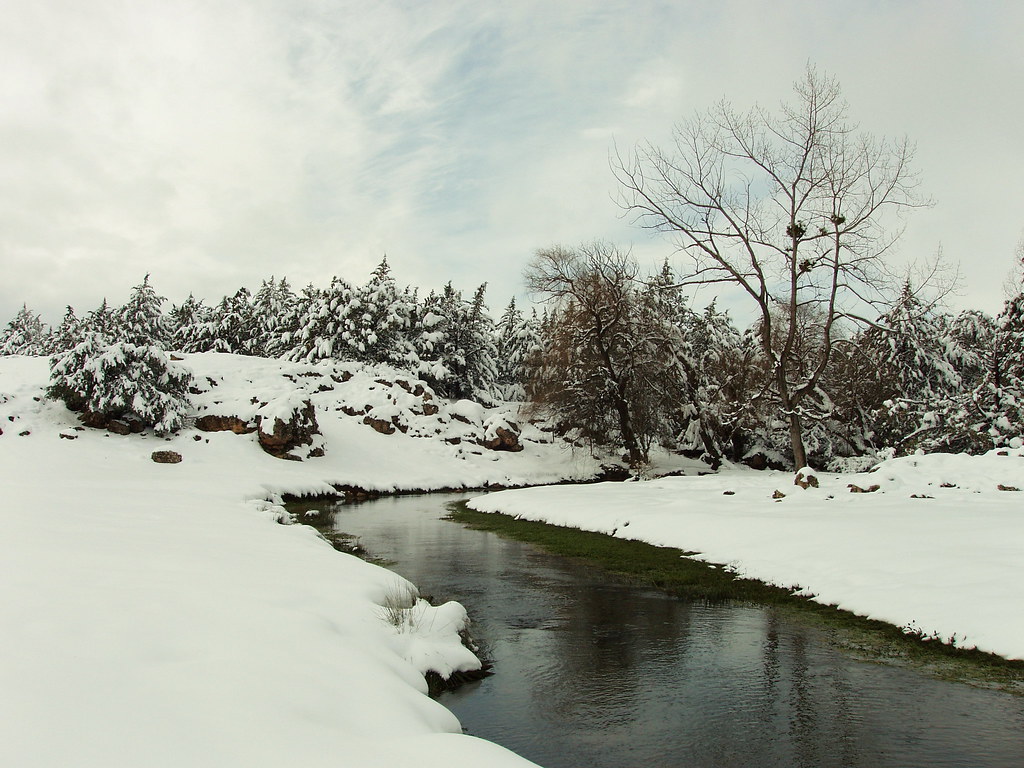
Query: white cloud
(216, 143)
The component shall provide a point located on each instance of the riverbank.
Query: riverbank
(935, 547)
(677, 573)
(159, 615)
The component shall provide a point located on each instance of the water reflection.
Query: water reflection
(592, 673)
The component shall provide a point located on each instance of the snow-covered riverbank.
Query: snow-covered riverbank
(157, 615)
(937, 547)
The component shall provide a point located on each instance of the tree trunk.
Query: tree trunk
(796, 441)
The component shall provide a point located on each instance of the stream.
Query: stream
(591, 672)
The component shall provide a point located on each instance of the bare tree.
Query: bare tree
(609, 364)
(790, 207)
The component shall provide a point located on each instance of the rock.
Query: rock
(857, 489)
(1002, 487)
(119, 427)
(503, 440)
(280, 437)
(806, 478)
(64, 436)
(26, 433)
(135, 424)
(380, 425)
(429, 409)
(166, 457)
(176, 358)
(778, 495)
(212, 423)
(94, 420)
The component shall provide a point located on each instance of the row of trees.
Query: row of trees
(628, 361)
(620, 360)
(449, 340)
(792, 209)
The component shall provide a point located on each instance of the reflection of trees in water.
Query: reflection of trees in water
(600, 674)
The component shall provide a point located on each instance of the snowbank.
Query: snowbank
(156, 614)
(937, 547)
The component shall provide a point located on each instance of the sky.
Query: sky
(216, 143)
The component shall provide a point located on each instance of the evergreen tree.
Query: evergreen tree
(970, 342)
(517, 338)
(25, 334)
(233, 325)
(140, 320)
(291, 341)
(273, 307)
(476, 381)
(121, 380)
(318, 323)
(455, 345)
(195, 328)
(909, 372)
(104, 321)
(375, 321)
(66, 335)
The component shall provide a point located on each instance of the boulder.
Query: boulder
(501, 435)
(288, 424)
(94, 420)
(504, 440)
(385, 427)
(213, 423)
(857, 489)
(166, 457)
(119, 427)
(806, 478)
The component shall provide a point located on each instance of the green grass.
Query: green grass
(673, 571)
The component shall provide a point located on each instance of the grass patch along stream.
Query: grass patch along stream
(678, 573)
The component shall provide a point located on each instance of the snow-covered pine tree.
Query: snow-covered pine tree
(991, 413)
(119, 380)
(516, 338)
(374, 324)
(432, 338)
(189, 326)
(197, 327)
(910, 371)
(273, 307)
(477, 379)
(317, 322)
(66, 335)
(25, 334)
(294, 324)
(455, 345)
(234, 328)
(970, 341)
(104, 321)
(141, 320)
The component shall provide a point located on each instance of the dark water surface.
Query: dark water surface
(591, 673)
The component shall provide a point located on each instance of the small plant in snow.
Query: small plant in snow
(121, 380)
(399, 605)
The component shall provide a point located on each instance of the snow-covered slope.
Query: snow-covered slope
(156, 615)
(936, 545)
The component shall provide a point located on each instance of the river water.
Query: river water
(590, 672)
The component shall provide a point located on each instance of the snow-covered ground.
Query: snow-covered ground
(157, 615)
(938, 547)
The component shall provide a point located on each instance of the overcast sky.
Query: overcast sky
(214, 143)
